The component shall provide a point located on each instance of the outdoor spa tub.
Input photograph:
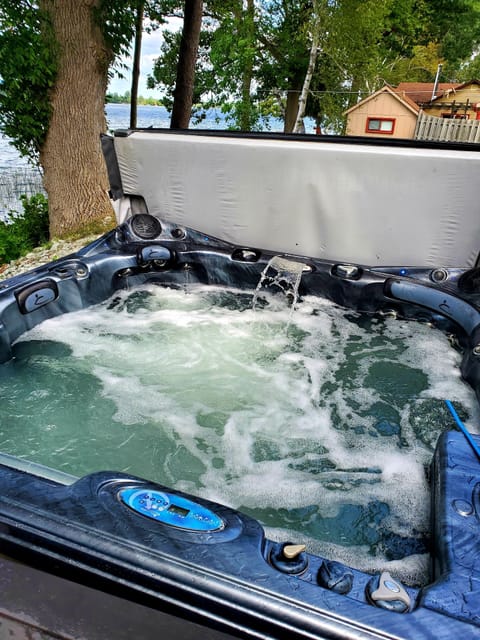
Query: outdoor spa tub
(228, 418)
(112, 554)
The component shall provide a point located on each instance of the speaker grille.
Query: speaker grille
(145, 226)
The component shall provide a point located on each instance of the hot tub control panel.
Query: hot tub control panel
(171, 509)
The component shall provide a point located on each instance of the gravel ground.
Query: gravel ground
(42, 255)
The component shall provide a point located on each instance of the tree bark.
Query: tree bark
(302, 100)
(291, 111)
(75, 176)
(247, 77)
(136, 63)
(183, 92)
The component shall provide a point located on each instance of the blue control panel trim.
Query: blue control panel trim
(171, 509)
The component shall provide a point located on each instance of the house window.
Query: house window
(380, 125)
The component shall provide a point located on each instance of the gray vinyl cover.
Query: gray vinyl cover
(361, 203)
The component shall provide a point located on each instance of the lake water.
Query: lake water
(321, 424)
(17, 176)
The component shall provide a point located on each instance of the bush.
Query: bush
(24, 231)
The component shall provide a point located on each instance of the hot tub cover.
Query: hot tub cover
(327, 197)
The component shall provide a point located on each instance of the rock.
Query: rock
(42, 255)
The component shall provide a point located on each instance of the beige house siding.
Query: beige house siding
(384, 105)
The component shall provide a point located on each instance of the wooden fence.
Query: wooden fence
(446, 129)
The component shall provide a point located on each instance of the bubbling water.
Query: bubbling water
(320, 424)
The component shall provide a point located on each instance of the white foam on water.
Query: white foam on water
(308, 421)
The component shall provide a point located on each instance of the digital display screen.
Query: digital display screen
(180, 511)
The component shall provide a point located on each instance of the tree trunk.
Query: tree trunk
(136, 63)
(75, 176)
(302, 100)
(291, 111)
(183, 92)
(247, 73)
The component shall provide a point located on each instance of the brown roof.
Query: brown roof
(421, 92)
(400, 96)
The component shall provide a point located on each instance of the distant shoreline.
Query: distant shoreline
(18, 176)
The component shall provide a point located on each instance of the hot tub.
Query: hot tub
(113, 554)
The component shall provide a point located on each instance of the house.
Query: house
(423, 93)
(459, 102)
(386, 112)
(403, 111)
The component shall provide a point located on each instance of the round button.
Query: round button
(391, 586)
(463, 507)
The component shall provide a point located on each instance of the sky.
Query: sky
(151, 43)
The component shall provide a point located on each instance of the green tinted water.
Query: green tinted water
(320, 423)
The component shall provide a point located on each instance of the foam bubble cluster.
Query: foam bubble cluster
(320, 423)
